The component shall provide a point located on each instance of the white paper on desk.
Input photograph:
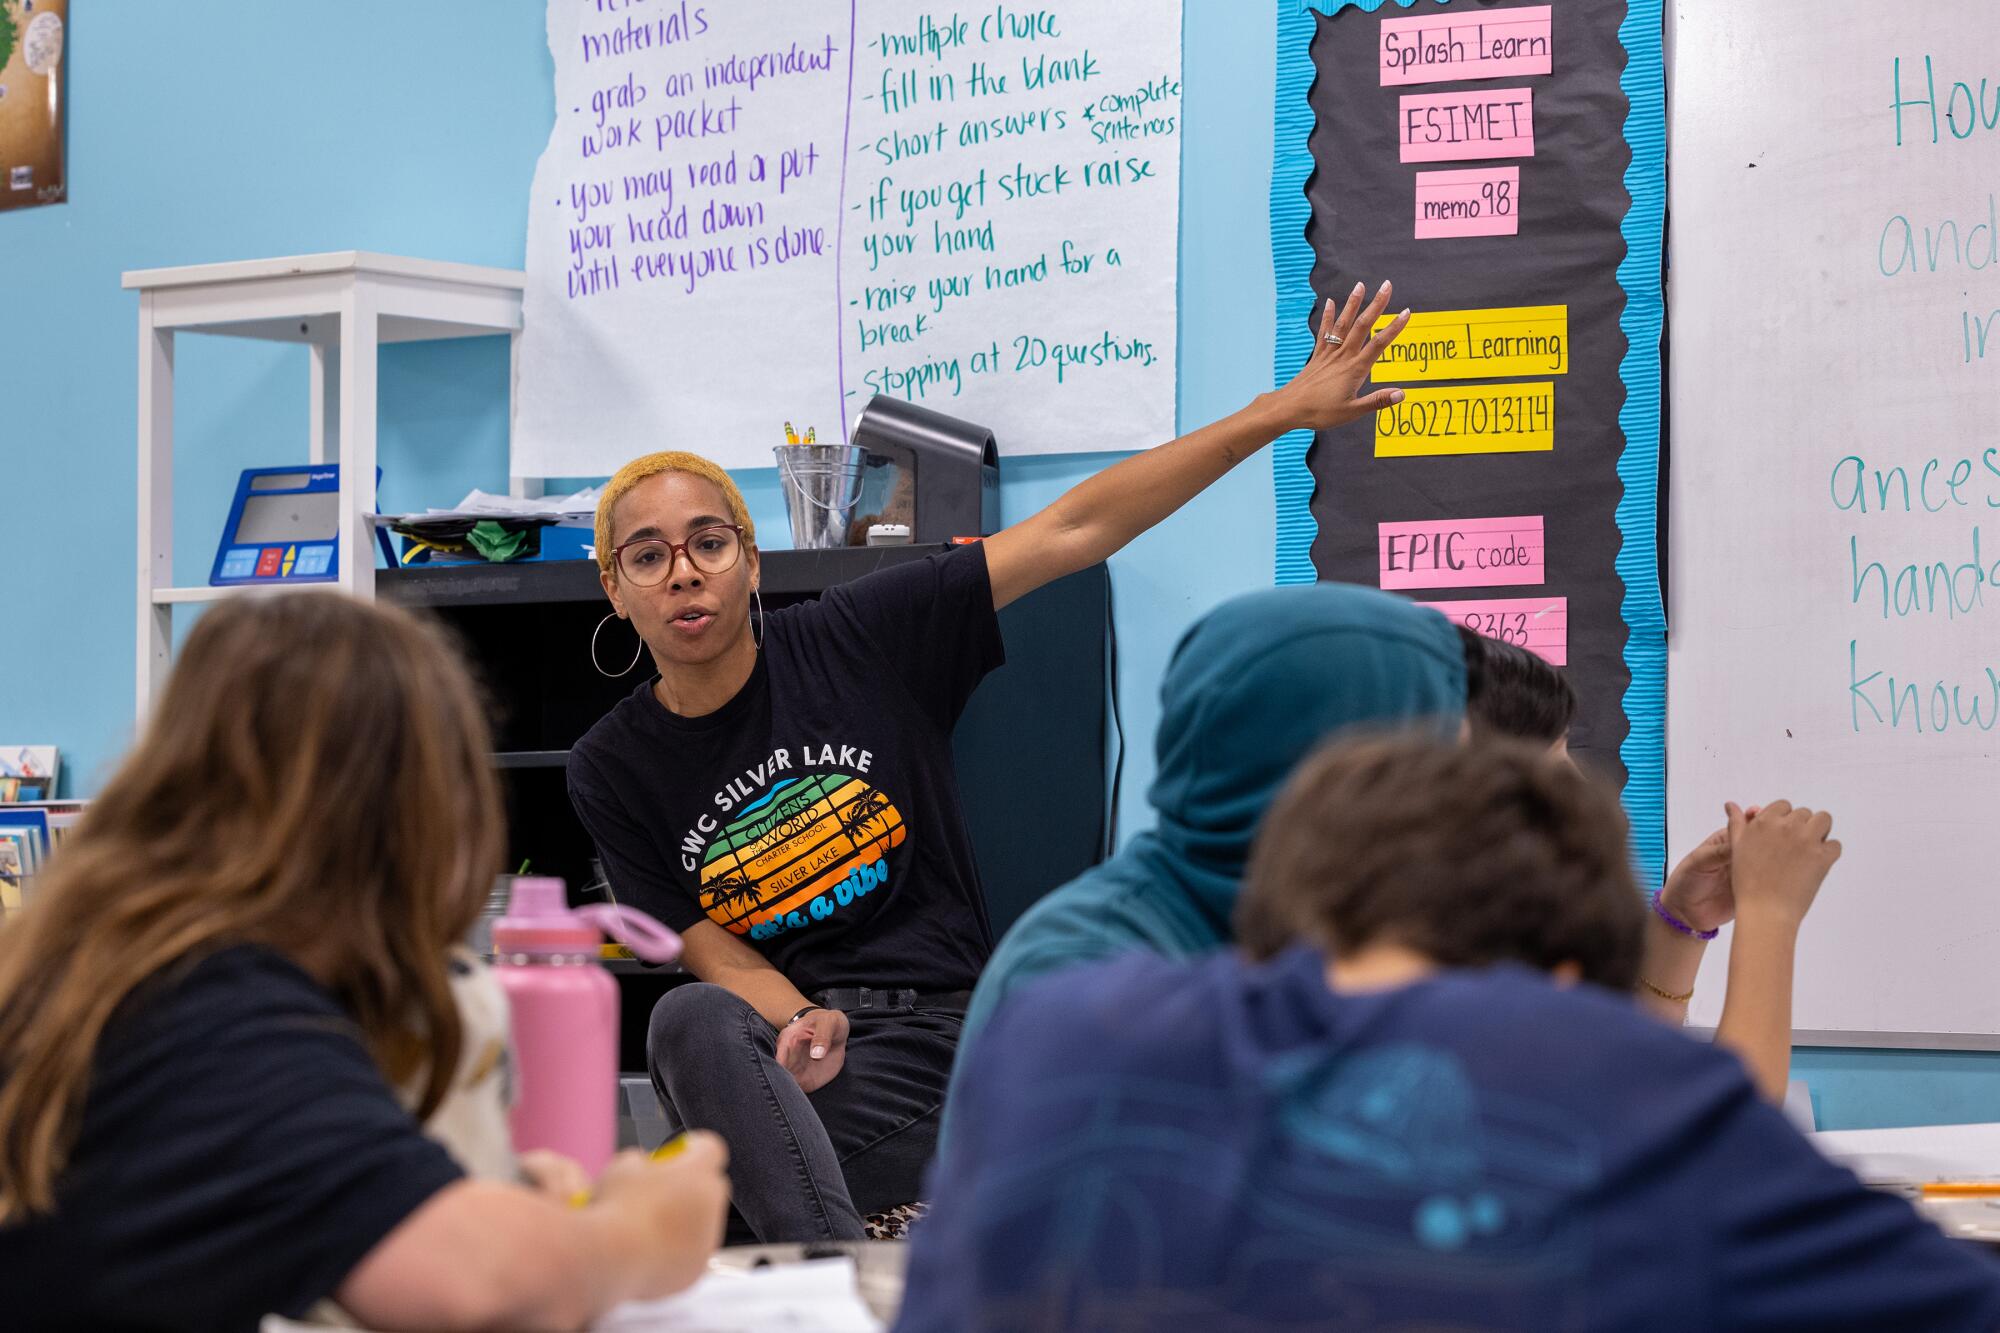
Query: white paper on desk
(820, 1295)
(772, 210)
(1917, 1154)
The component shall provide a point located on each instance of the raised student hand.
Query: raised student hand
(813, 1049)
(1779, 860)
(1323, 395)
(1700, 892)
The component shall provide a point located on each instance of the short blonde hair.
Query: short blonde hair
(652, 465)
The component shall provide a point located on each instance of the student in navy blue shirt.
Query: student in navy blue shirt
(1432, 1102)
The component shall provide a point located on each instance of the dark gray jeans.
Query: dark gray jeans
(805, 1168)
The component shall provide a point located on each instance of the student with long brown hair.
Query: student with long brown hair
(203, 1012)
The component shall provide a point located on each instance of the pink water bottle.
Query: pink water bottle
(564, 1008)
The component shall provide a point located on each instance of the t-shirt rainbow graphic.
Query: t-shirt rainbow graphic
(799, 841)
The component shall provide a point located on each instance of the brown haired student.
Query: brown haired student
(236, 960)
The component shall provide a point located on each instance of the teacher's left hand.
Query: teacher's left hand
(1327, 392)
(813, 1049)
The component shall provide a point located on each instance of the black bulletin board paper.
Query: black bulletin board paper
(1573, 207)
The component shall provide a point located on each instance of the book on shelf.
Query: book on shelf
(13, 872)
(28, 773)
(29, 836)
(24, 845)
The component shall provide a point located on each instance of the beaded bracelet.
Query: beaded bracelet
(1678, 924)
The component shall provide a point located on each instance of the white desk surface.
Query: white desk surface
(1927, 1152)
(1923, 1152)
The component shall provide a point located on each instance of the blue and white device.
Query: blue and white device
(284, 527)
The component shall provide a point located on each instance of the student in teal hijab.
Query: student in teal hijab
(1251, 689)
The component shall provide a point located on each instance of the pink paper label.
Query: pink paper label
(1462, 553)
(1465, 126)
(1539, 624)
(1485, 201)
(1493, 44)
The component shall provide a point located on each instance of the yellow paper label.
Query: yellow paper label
(1478, 345)
(1468, 419)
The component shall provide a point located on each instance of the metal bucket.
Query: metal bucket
(822, 485)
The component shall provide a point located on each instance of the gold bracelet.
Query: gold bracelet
(1668, 997)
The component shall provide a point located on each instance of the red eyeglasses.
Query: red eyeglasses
(650, 560)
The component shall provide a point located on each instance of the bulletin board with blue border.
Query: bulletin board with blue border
(1505, 165)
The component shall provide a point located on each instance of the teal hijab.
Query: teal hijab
(1251, 689)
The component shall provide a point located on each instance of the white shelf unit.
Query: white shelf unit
(343, 306)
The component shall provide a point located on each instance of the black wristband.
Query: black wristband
(803, 1012)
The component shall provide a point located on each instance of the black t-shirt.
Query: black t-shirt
(816, 814)
(239, 1154)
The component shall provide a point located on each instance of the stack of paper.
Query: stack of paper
(1915, 1155)
(1906, 1160)
(820, 1295)
(484, 504)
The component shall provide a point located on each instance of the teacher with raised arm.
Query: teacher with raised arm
(782, 794)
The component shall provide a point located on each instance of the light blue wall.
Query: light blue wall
(217, 129)
(413, 129)
(1866, 1089)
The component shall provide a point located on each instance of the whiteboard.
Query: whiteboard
(1804, 332)
(773, 210)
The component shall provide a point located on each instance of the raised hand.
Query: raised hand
(1779, 860)
(1327, 392)
(1700, 892)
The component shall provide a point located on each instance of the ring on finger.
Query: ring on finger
(1333, 338)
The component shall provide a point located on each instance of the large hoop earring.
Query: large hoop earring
(614, 675)
(758, 639)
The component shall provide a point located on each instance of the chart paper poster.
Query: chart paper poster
(33, 102)
(757, 212)
(1504, 165)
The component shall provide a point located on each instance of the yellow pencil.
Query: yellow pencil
(1959, 1189)
(673, 1147)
